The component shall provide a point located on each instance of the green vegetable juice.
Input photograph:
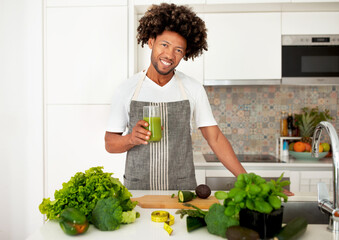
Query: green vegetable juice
(155, 128)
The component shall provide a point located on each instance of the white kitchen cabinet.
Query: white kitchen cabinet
(314, 1)
(300, 23)
(194, 69)
(245, 1)
(85, 59)
(82, 3)
(75, 142)
(86, 53)
(243, 46)
(179, 2)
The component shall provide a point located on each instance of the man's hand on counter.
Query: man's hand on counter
(288, 193)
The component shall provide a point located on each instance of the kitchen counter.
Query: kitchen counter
(304, 175)
(144, 228)
(324, 164)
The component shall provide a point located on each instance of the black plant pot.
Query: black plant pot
(267, 225)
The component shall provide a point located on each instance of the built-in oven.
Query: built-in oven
(310, 60)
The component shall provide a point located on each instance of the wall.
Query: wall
(249, 116)
(21, 119)
(83, 66)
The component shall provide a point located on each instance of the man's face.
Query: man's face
(167, 51)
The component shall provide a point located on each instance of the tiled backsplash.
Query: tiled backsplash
(250, 116)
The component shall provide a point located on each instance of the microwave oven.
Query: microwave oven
(310, 59)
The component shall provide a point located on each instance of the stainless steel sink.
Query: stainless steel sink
(308, 210)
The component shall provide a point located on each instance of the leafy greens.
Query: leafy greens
(84, 190)
(253, 192)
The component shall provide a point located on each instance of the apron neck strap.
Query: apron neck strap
(141, 80)
(137, 90)
(181, 86)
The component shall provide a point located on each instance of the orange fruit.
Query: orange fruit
(299, 147)
(308, 147)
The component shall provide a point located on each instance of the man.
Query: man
(172, 33)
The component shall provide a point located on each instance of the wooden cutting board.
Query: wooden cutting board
(166, 201)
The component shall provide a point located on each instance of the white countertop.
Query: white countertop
(144, 228)
(324, 164)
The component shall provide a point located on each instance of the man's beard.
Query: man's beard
(155, 65)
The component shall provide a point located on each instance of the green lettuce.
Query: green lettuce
(129, 216)
(84, 190)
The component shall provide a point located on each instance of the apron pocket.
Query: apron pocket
(135, 184)
(186, 183)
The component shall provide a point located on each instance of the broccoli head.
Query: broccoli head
(217, 222)
(107, 214)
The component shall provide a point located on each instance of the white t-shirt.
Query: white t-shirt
(152, 92)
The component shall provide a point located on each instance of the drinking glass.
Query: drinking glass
(151, 114)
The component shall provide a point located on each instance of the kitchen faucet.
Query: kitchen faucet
(324, 203)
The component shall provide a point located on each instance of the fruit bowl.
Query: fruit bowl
(307, 155)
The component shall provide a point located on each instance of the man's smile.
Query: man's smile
(167, 63)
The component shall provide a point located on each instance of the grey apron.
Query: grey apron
(167, 164)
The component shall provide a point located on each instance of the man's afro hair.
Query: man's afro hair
(179, 19)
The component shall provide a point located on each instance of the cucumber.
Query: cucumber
(193, 223)
(185, 196)
(293, 229)
(241, 233)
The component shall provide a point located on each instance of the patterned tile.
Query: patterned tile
(249, 116)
